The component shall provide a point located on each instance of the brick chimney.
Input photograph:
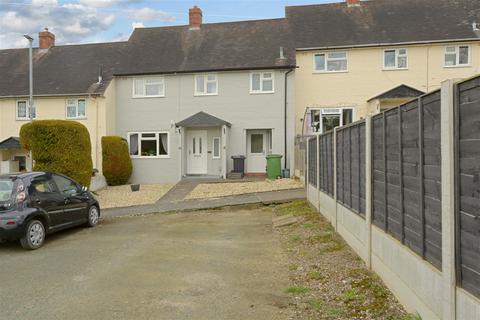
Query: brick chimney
(353, 3)
(195, 17)
(46, 39)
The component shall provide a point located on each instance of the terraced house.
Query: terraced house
(357, 57)
(187, 98)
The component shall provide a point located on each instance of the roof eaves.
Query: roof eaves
(388, 44)
(290, 66)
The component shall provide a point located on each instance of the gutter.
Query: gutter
(53, 95)
(285, 119)
(203, 70)
(387, 44)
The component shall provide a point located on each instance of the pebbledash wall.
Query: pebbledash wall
(402, 189)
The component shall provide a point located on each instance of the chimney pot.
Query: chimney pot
(353, 3)
(46, 39)
(195, 17)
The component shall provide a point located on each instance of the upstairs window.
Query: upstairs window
(206, 85)
(330, 62)
(76, 109)
(148, 144)
(261, 82)
(457, 56)
(395, 59)
(23, 111)
(149, 87)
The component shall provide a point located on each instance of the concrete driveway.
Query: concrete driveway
(202, 265)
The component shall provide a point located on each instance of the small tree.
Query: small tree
(116, 163)
(59, 146)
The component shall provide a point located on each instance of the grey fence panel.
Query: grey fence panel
(412, 213)
(468, 184)
(378, 171)
(392, 160)
(326, 162)
(407, 175)
(339, 166)
(312, 161)
(432, 182)
(351, 166)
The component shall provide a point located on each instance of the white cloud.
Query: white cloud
(106, 3)
(137, 25)
(70, 22)
(149, 14)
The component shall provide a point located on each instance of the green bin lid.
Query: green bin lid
(274, 156)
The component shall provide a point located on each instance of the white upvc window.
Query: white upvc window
(457, 56)
(395, 59)
(206, 84)
(217, 146)
(149, 144)
(261, 82)
(149, 87)
(326, 119)
(76, 109)
(22, 110)
(336, 61)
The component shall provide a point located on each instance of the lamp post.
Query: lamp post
(30, 77)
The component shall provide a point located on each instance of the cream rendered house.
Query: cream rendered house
(357, 58)
(70, 83)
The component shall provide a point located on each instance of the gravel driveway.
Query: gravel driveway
(204, 265)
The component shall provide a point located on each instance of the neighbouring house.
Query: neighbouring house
(357, 58)
(71, 82)
(193, 96)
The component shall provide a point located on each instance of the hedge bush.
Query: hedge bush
(59, 146)
(116, 163)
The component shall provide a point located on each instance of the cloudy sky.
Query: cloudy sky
(82, 21)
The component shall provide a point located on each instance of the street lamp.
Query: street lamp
(30, 76)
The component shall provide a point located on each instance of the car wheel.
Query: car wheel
(34, 235)
(93, 216)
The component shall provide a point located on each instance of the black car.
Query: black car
(34, 204)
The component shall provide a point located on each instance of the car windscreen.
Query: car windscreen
(7, 193)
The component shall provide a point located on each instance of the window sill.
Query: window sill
(329, 72)
(147, 97)
(78, 118)
(395, 69)
(150, 157)
(262, 92)
(205, 94)
(458, 66)
(24, 119)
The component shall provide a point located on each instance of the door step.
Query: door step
(235, 175)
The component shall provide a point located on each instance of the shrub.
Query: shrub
(116, 163)
(59, 146)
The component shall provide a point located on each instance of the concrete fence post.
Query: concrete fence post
(334, 218)
(317, 144)
(368, 188)
(448, 200)
(307, 164)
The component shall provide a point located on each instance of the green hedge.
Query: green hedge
(59, 146)
(116, 163)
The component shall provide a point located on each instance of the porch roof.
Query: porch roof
(10, 143)
(401, 91)
(202, 119)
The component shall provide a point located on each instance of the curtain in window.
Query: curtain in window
(134, 144)
(163, 144)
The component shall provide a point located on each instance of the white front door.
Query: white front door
(256, 151)
(197, 152)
